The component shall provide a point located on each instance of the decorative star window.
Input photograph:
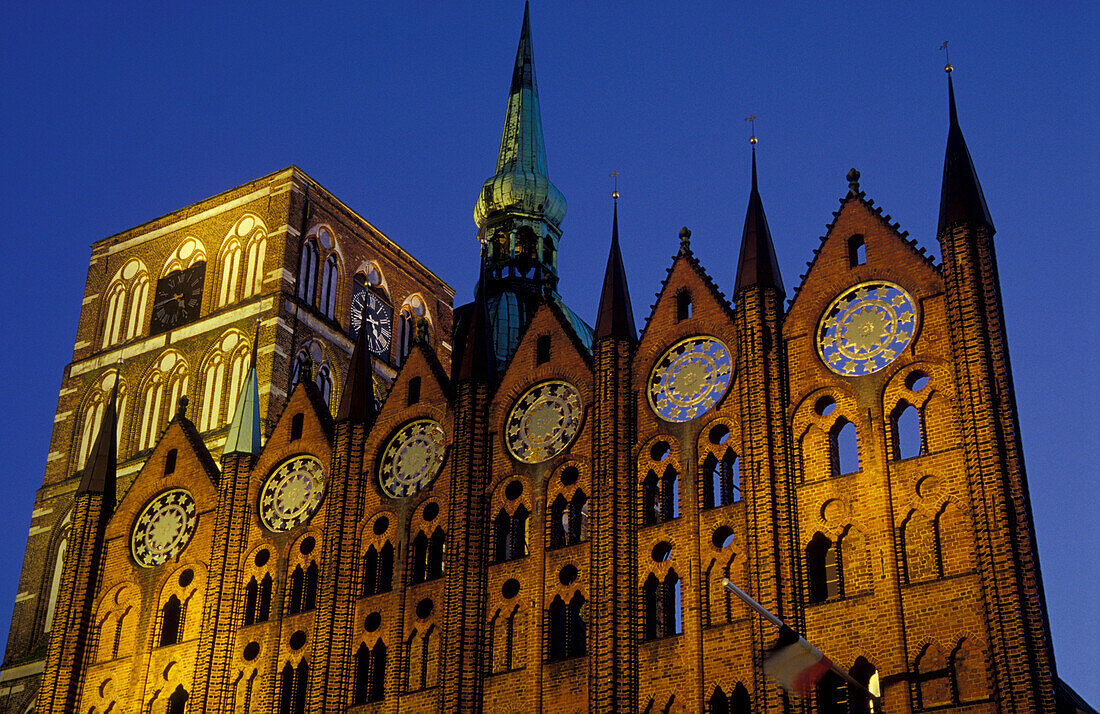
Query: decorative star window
(865, 328)
(543, 421)
(412, 458)
(292, 494)
(690, 378)
(163, 529)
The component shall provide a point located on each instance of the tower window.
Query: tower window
(414, 391)
(170, 462)
(296, 424)
(857, 251)
(683, 306)
(307, 273)
(328, 288)
(542, 350)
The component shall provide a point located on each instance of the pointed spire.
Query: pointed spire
(100, 472)
(961, 197)
(757, 265)
(358, 401)
(244, 430)
(521, 180)
(616, 316)
(477, 354)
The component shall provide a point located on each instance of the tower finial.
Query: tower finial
(756, 264)
(853, 181)
(615, 192)
(685, 240)
(751, 119)
(947, 54)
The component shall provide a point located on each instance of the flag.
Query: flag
(796, 664)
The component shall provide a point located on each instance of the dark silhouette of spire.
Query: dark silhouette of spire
(961, 197)
(616, 316)
(100, 472)
(244, 430)
(358, 400)
(477, 354)
(757, 265)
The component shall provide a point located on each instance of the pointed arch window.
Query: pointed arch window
(427, 556)
(370, 673)
(406, 329)
(230, 274)
(150, 418)
(116, 306)
(324, 382)
(329, 276)
(177, 703)
(908, 435)
(378, 570)
(511, 534)
(171, 622)
(662, 606)
(293, 682)
(843, 447)
(213, 382)
(567, 636)
(254, 270)
(307, 272)
(823, 569)
(722, 485)
(55, 584)
(137, 305)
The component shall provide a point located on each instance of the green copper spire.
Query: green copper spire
(519, 211)
(244, 430)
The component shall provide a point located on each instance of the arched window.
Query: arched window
(328, 288)
(739, 700)
(309, 591)
(293, 683)
(865, 673)
(844, 447)
(406, 330)
(559, 520)
(324, 382)
(822, 569)
(307, 272)
(857, 251)
(230, 273)
(254, 272)
(419, 572)
(297, 424)
(171, 622)
(296, 591)
(150, 418)
(427, 555)
(93, 416)
(918, 540)
(670, 494)
(722, 480)
(263, 608)
(567, 636)
(933, 677)
(575, 520)
(213, 382)
(177, 703)
(718, 703)
(238, 370)
(370, 673)
(662, 607)
(116, 307)
(55, 584)
(138, 302)
(908, 440)
(511, 534)
(651, 500)
(251, 599)
(435, 552)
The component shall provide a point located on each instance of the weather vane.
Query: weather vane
(615, 193)
(751, 119)
(947, 53)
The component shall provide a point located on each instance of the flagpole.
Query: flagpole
(767, 615)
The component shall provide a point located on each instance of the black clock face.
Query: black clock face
(178, 299)
(367, 309)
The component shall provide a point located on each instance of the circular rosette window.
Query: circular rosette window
(163, 529)
(412, 459)
(292, 494)
(544, 421)
(866, 328)
(690, 378)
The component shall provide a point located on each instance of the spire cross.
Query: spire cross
(947, 53)
(751, 119)
(615, 192)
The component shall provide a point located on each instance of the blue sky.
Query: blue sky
(114, 114)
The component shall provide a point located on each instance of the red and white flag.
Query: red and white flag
(796, 664)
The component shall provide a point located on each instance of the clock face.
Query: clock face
(292, 493)
(866, 328)
(178, 298)
(163, 529)
(412, 459)
(543, 421)
(367, 308)
(690, 378)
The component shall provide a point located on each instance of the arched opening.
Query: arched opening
(251, 600)
(683, 305)
(844, 447)
(866, 674)
(177, 702)
(908, 439)
(307, 273)
(857, 251)
(722, 480)
(296, 591)
(297, 423)
(171, 622)
(328, 288)
(822, 569)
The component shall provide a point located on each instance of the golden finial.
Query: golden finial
(615, 192)
(947, 53)
(751, 119)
